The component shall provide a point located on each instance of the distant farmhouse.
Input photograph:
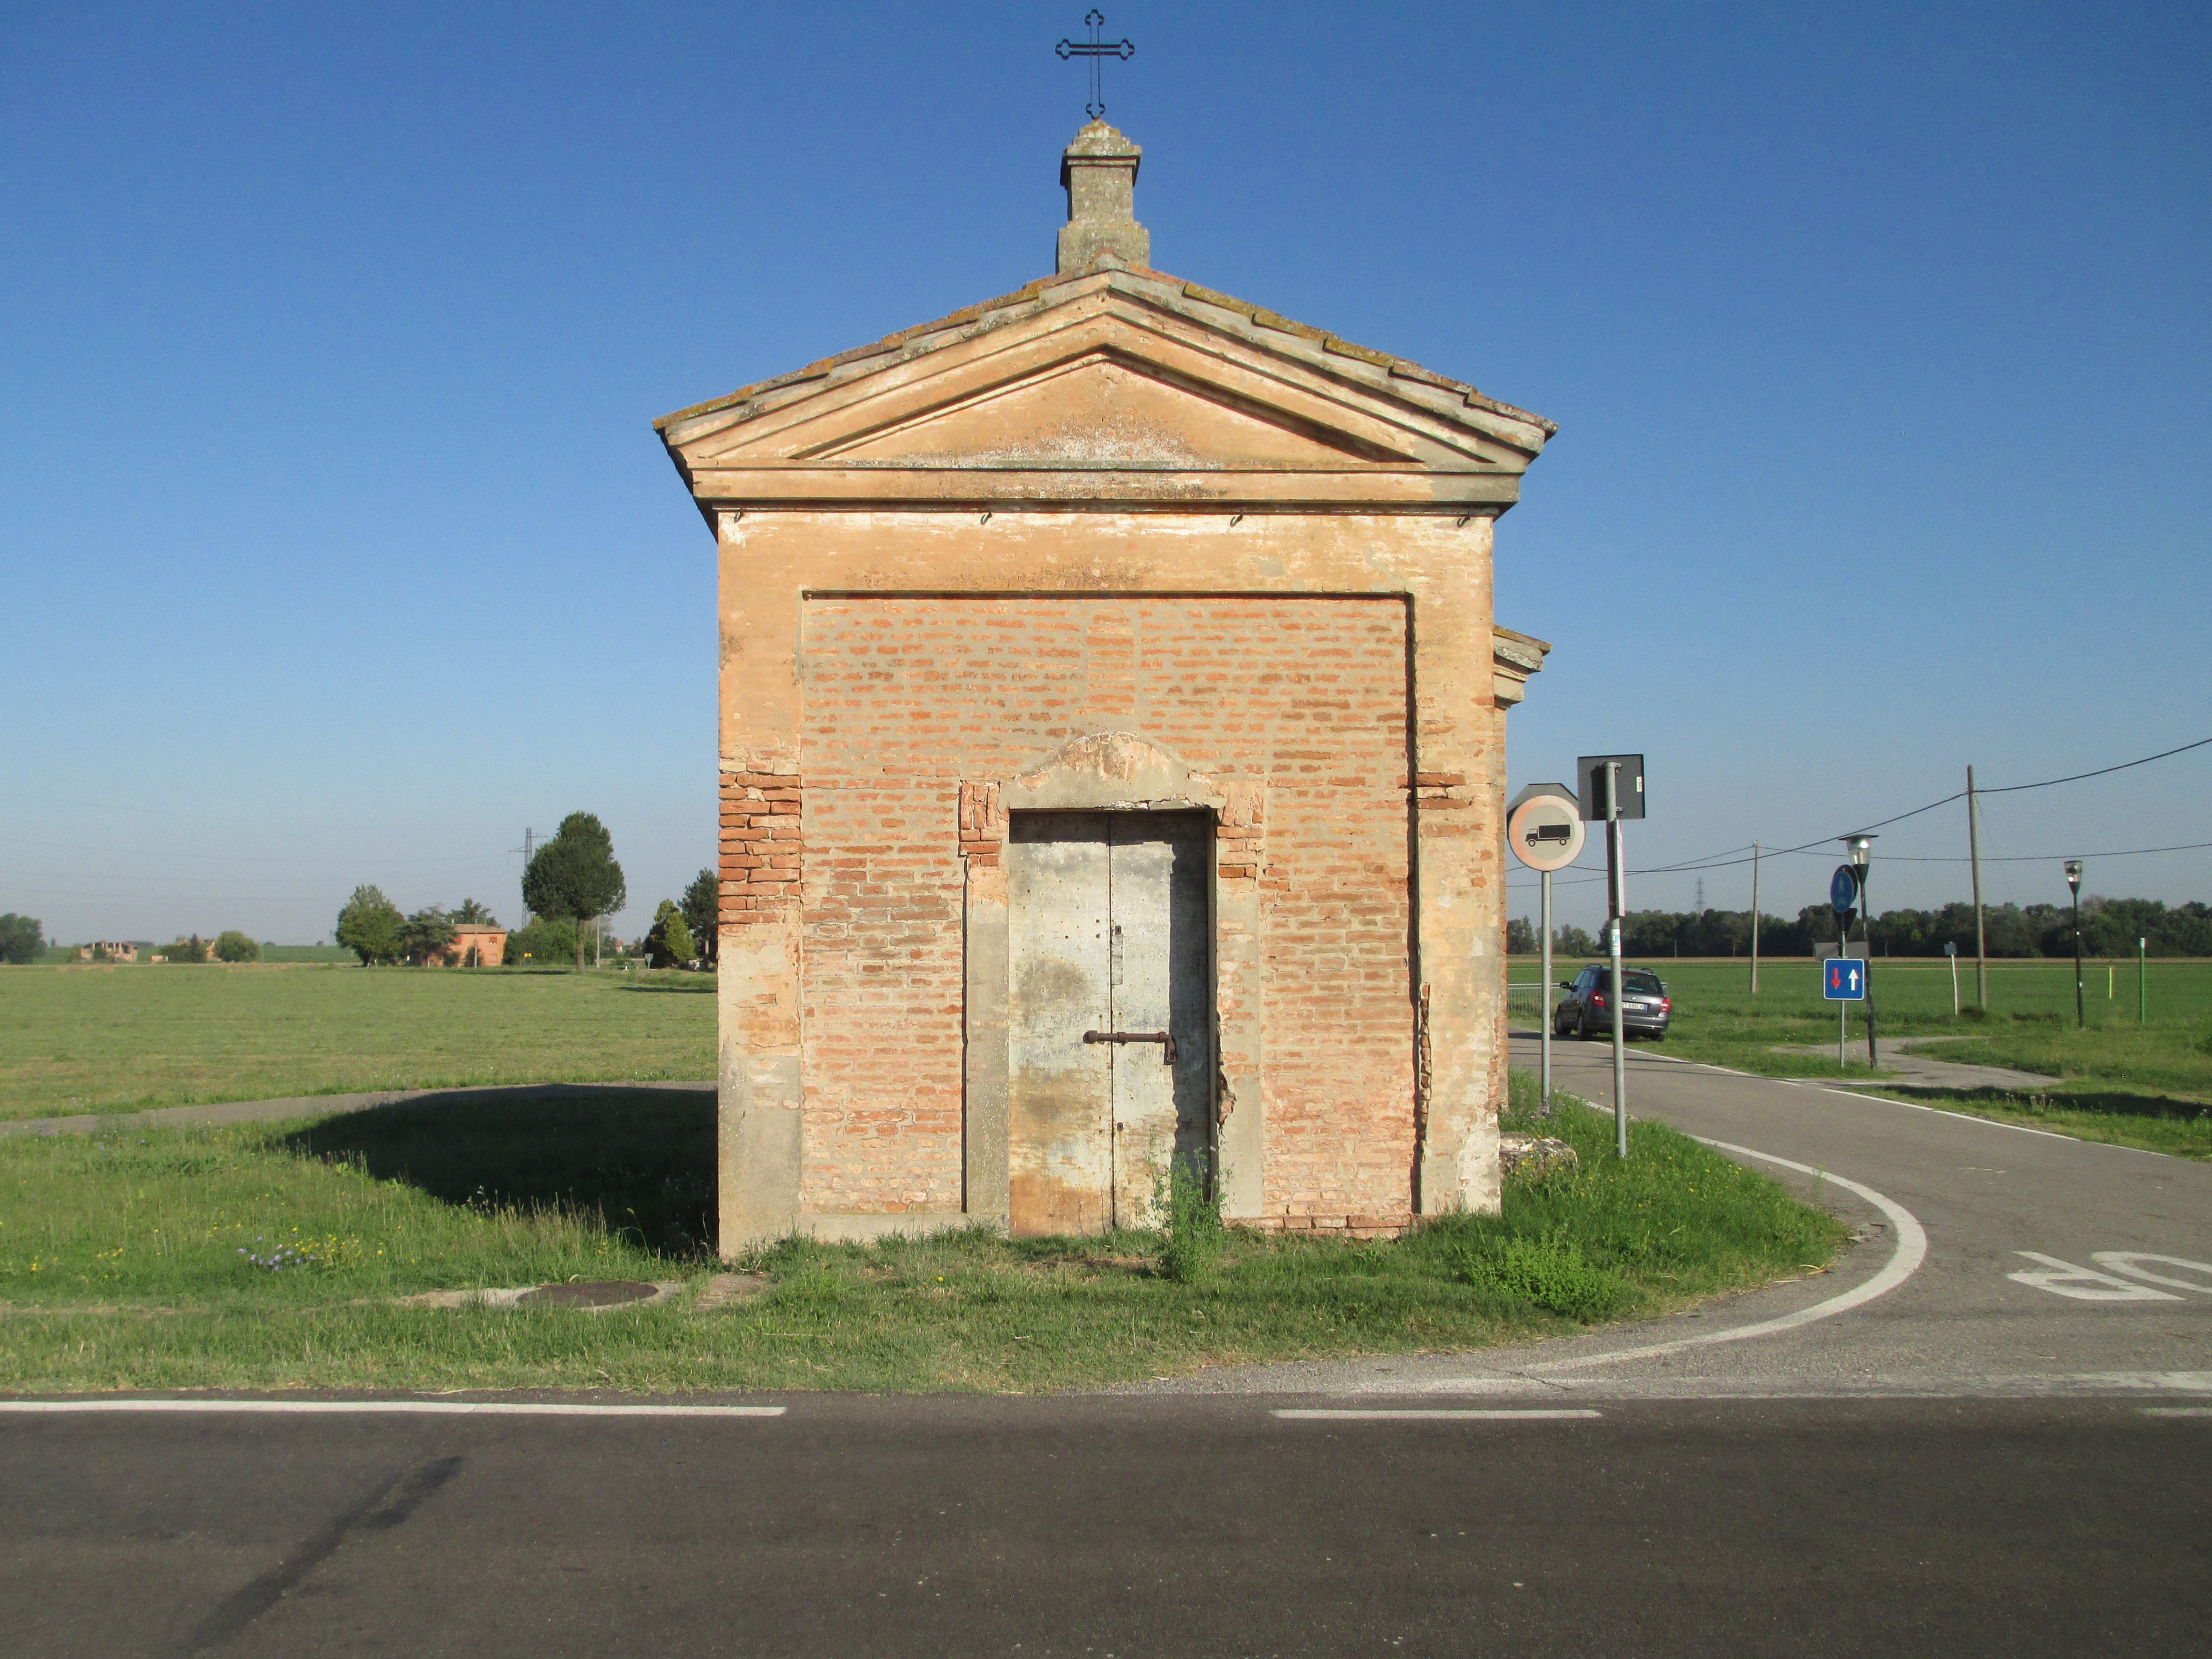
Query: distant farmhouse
(112, 949)
(476, 944)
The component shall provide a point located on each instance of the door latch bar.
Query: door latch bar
(1166, 1039)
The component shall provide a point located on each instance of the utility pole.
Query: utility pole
(529, 836)
(1754, 918)
(1981, 939)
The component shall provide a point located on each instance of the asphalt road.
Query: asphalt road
(1958, 1462)
(1993, 1201)
(858, 1526)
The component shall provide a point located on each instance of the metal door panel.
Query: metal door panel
(1160, 976)
(1109, 933)
(1059, 1139)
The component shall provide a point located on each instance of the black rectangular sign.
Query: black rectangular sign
(1590, 784)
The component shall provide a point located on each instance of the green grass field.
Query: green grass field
(140, 1261)
(118, 1039)
(2148, 1086)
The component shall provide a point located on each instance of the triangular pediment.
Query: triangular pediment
(1106, 409)
(1117, 372)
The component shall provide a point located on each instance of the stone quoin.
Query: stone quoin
(1113, 760)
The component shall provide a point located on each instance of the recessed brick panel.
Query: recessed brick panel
(1300, 701)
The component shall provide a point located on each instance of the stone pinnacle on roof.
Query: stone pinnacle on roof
(1099, 170)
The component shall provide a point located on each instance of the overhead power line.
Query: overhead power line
(2010, 788)
(1725, 860)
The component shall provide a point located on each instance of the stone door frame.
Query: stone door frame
(1114, 772)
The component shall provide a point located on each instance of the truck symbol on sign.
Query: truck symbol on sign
(1843, 979)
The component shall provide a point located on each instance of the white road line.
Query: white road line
(2176, 1410)
(376, 1408)
(1905, 1261)
(1355, 1415)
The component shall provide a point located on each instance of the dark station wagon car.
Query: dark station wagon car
(1583, 1011)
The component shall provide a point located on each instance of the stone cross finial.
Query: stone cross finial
(1100, 172)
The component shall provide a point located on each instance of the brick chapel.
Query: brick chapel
(1113, 760)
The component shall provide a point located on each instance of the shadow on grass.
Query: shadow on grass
(640, 1160)
(2100, 1102)
(692, 985)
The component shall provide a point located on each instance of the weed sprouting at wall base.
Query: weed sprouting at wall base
(1195, 1237)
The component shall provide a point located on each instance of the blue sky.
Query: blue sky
(335, 544)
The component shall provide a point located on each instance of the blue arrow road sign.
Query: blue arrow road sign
(1843, 979)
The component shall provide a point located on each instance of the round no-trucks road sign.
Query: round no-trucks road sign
(1546, 831)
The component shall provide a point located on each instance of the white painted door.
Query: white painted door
(1110, 1014)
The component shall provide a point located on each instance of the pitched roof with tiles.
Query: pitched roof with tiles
(1203, 304)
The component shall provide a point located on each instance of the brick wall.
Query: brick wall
(1300, 703)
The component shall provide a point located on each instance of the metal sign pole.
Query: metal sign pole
(2073, 881)
(1866, 931)
(1544, 831)
(1617, 896)
(1544, 997)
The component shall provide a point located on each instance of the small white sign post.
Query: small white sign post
(1544, 828)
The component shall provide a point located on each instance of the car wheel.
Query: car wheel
(1582, 1032)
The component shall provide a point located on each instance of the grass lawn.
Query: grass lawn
(2138, 1085)
(131, 1263)
(2030, 1024)
(113, 1039)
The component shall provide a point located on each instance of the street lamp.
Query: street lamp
(1861, 849)
(2073, 881)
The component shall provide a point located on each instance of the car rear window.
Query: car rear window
(1643, 985)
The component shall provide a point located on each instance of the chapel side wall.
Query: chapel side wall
(906, 699)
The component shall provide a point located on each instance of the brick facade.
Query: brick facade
(907, 702)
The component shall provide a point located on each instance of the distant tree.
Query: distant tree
(1519, 937)
(541, 944)
(194, 949)
(574, 876)
(231, 946)
(22, 939)
(369, 927)
(669, 945)
(426, 936)
(470, 913)
(702, 905)
(1572, 942)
